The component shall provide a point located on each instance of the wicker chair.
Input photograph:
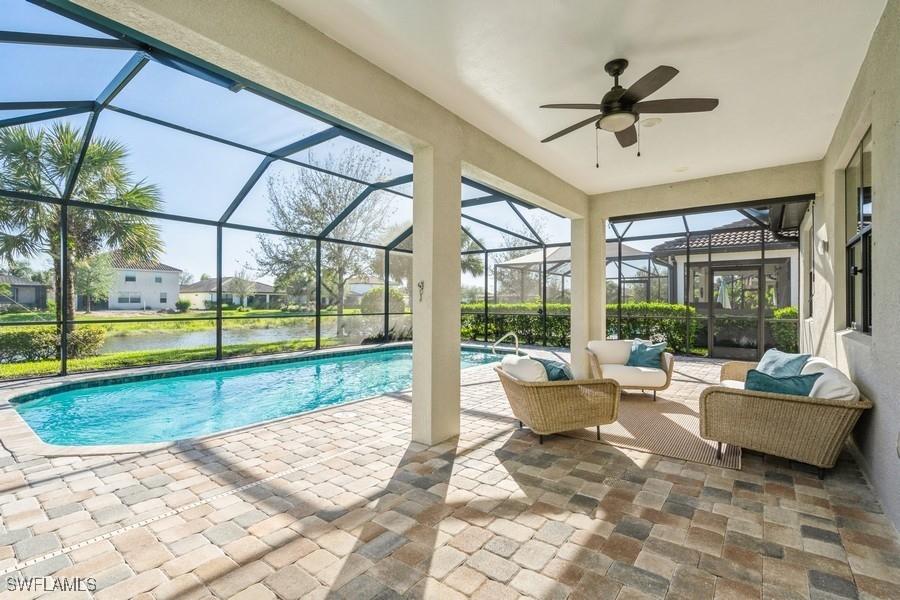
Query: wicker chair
(808, 430)
(616, 352)
(555, 406)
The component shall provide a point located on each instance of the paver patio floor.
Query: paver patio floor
(340, 504)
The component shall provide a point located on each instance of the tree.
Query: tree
(308, 202)
(401, 264)
(205, 276)
(241, 285)
(39, 161)
(185, 278)
(93, 278)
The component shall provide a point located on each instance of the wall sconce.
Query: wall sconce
(822, 242)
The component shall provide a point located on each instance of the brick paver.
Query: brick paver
(351, 509)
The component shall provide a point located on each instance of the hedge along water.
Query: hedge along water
(41, 342)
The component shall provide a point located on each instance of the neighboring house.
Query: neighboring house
(356, 288)
(734, 255)
(142, 284)
(202, 294)
(24, 292)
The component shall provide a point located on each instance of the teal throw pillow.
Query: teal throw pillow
(556, 370)
(781, 364)
(645, 354)
(793, 385)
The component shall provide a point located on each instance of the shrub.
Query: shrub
(523, 319)
(784, 328)
(656, 321)
(182, 305)
(648, 320)
(21, 344)
(373, 301)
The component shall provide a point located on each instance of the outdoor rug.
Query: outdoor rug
(663, 427)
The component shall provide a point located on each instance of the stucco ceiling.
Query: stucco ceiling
(782, 71)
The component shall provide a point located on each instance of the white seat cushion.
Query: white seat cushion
(611, 352)
(634, 376)
(815, 364)
(523, 368)
(732, 383)
(834, 385)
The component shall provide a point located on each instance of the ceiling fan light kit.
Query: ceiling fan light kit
(621, 108)
(617, 121)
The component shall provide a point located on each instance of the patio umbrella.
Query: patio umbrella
(724, 298)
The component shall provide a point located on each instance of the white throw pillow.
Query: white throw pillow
(523, 368)
(815, 364)
(834, 385)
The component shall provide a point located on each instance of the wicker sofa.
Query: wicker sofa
(808, 430)
(555, 406)
(608, 360)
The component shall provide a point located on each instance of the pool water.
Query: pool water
(184, 406)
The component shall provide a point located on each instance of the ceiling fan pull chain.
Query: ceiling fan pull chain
(597, 145)
(638, 129)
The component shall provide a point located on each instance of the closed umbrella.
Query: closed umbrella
(724, 298)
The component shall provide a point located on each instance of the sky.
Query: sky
(198, 177)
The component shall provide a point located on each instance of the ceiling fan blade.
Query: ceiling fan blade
(676, 105)
(593, 106)
(570, 128)
(627, 137)
(649, 83)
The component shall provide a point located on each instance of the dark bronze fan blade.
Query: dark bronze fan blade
(627, 137)
(649, 83)
(676, 105)
(570, 128)
(592, 106)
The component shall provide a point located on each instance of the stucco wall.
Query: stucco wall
(871, 360)
(146, 285)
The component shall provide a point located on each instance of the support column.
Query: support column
(581, 297)
(436, 295)
(588, 288)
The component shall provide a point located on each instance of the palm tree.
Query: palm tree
(40, 161)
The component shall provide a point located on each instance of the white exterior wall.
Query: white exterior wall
(701, 257)
(198, 300)
(871, 360)
(145, 284)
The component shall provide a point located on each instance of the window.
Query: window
(163, 298)
(858, 201)
(811, 264)
(129, 298)
(158, 279)
(130, 277)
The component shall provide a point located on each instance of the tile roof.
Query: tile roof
(119, 262)
(209, 285)
(747, 238)
(16, 280)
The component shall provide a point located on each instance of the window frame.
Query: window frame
(862, 237)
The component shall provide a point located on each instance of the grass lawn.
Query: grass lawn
(155, 357)
(131, 323)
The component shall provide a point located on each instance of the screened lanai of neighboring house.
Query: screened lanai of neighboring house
(168, 159)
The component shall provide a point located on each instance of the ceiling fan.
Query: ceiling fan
(620, 108)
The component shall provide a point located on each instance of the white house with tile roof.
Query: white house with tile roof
(142, 284)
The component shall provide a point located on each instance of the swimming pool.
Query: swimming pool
(168, 408)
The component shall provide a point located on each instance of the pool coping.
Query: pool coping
(17, 437)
